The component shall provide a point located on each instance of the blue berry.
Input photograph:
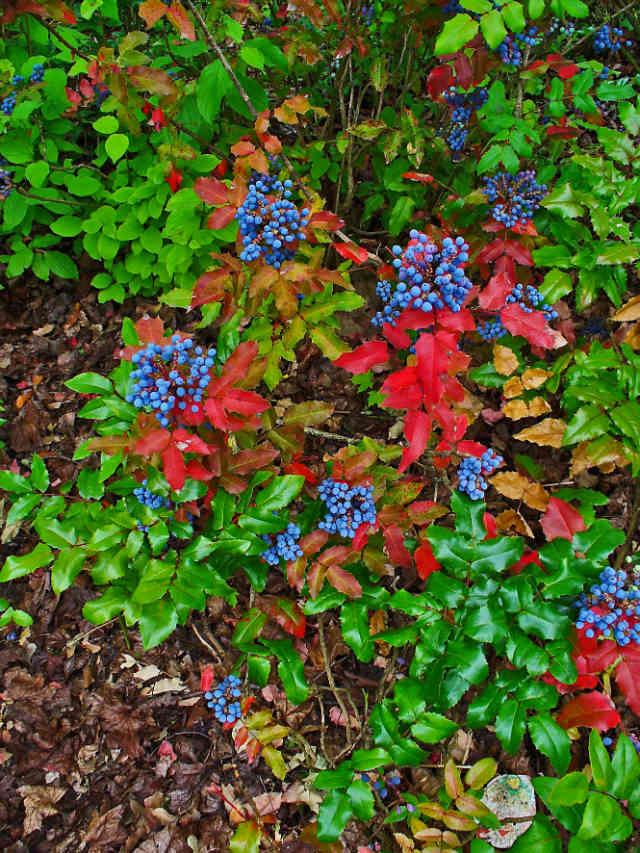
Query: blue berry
(530, 299)
(610, 39)
(8, 104)
(347, 507)
(17, 79)
(5, 183)
(510, 53)
(464, 104)
(171, 379)
(148, 498)
(285, 547)
(429, 278)
(611, 608)
(519, 196)
(270, 224)
(224, 699)
(367, 15)
(37, 73)
(471, 471)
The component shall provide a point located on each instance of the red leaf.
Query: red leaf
(464, 76)
(518, 252)
(426, 563)
(628, 678)
(351, 251)
(422, 177)
(245, 403)
(360, 539)
(561, 520)
(531, 557)
(174, 179)
(298, 468)
(493, 297)
(396, 337)
(206, 679)
(439, 79)
(209, 288)
(490, 525)
(563, 131)
(593, 710)
(363, 357)
(197, 471)
(568, 71)
(417, 429)
(491, 252)
(174, 467)
(221, 218)
(507, 267)
(216, 414)
(243, 148)
(343, 581)
(532, 326)
(153, 442)
(396, 550)
(211, 190)
(178, 16)
(455, 321)
(528, 228)
(344, 49)
(288, 615)
(312, 542)
(326, 220)
(151, 11)
(431, 364)
(235, 367)
(150, 330)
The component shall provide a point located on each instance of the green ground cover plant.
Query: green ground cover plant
(460, 183)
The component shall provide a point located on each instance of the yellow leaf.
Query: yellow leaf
(512, 387)
(534, 377)
(405, 844)
(538, 406)
(510, 520)
(505, 360)
(515, 486)
(546, 433)
(604, 452)
(275, 761)
(630, 311)
(633, 337)
(516, 410)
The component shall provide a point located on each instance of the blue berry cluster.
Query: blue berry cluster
(5, 182)
(607, 740)
(8, 104)
(530, 36)
(285, 547)
(609, 39)
(380, 785)
(510, 52)
(171, 377)
(224, 700)
(148, 498)
(367, 15)
(347, 507)
(429, 277)
(611, 608)
(563, 28)
(519, 196)
(17, 80)
(270, 224)
(464, 104)
(491, 330)
(37, 73)
(471, 471)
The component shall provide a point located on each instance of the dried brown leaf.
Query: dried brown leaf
(515, 486)
(505, 360)
(105, 830)
(516, 410)
(606, 455)
(548, 432)
(39, 802)
(510, 520)
(534, 377)
(630, 311)
(538, 406)
(512, 387)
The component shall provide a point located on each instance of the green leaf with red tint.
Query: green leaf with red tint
(343, 581)
(287, 614)
(154, 81)
(221, 217)
(209, 287)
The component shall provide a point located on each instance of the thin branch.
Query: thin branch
(331, 680)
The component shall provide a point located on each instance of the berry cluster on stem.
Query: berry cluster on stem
(610, 40)
(463, 106)
(348, 507)
(148, 498)
(611, 608)
(518, 196)
(429, 278)
(285, 546)
(529, 299)
(224, 700)
(471, 471)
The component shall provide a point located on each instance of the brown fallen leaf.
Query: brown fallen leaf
(630, 311)
(633, 337)
(515, 410)
(510, 520)
(548, 432)
(534, 377)
(515, 486)
(39, 802)
(512, 387)
(538, 406)
(605, 453)
(106, 830)
(505, 360)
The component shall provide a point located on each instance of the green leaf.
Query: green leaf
(66, 568)
(493, 28)
(106, 125)
(617, 253)
(570, 790)
(544, 621)
(290, 669)
(39, 478)
(513, 16)
(401, 214)
(54, 533)
(36, 173)
(280, 492)
(369, 759)
(600, 762)
(90, 383)
(116, 146)
(258, 670)
(510, 725)
(252, 56)
(551, 740)
(576, 8)
(213, 84)
(354, 623)
(18, 567)
(330, 780)
(598, 814)
(21, 508)
(246, 838)
(157, 622)
(432, 728)
(556, 284)
(563, 200)
(61, 265)
(455, 34)
(334, 814)
(67, 226)
(541, 837)
(467, 660)
(626, 768)
(361, 798)
(588, 422)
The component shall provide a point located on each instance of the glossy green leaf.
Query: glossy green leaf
(17, 567)
(334, 814)
(455, 34)
(551, 740)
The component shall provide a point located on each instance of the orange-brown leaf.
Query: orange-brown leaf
(505, 360)
(547, 433)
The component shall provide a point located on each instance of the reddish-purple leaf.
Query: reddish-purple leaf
(351, 251)
(363, 357)
(464, 75)
(561, 520)
(394, 541)
(221, 217)
(519, 253)
(491, 252)
(417, 428)
(593, 710)
(493, 297)
(532, 326)
(439, 79)
(211, 190)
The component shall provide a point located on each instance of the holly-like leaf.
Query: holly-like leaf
(417, 426)
(352, 252)
(531, 326)
(561, 520)
(364, 357)
(593, 710)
